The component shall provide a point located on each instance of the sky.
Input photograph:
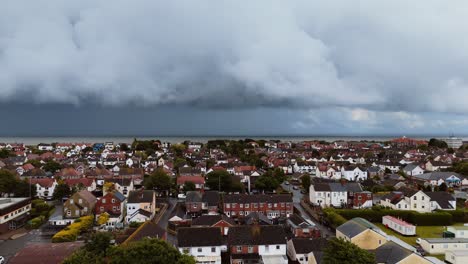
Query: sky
(265, 67)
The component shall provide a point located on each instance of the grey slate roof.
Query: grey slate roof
(140, 196)
(442, 198)
(307, 245)
(256, 235)
(258, 198)
(338, 187)
(193, 197)
(199, 237)
(209, 220)
(391, 253)
(356, 226)
(437, 175)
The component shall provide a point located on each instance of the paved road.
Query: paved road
(297, 196)
(8, 248)
(171, 202)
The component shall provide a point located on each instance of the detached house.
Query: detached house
(351, 173)
(44, 187)
(79, 204)
(257, 244)
(113, 203)
(221, 221)
(306, 250)
(141, 206)
(203, 243)
(412, 170)
(362, 233)
(417, 200)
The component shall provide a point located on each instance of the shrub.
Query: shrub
(36, 222)
(71, 232)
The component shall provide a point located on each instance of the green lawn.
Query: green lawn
(421, 231)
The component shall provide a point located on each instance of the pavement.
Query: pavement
(8, 248)
(163, 221)
(297, 196)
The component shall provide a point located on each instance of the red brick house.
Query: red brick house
(362, 200)
(199, 181)
(271, 205)
(112, 203)
(221, 221)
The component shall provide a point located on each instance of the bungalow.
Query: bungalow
(442, 245)
(437, 178)
(362, 233)
(436, 165)
(206, 250)
(393, 253)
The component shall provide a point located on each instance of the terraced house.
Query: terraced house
(273, 206)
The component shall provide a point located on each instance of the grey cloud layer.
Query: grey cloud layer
(378, 55)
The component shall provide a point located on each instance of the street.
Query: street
(297, 196)
(8, 248)
(171, 203)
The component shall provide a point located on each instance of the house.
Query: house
(13, 213)
(113, 203)
(456, 256)
(147, 230)
(412, 169)
(193, 202)
(375, 171)
(339, 194)
(351, 173)
(199, 181)
(256, 218)
(79, 204)
(124, 185)
(417, 200)
(221, 221)
(203, 243)
(273, 206)
(432, 165)
(141, 206)
(306, 250)
(437, 178)
(257, 244)
(45, 147)
(399, 225)
(82, 183)
(44, 187)
(210, 202)
(195, 146)
(301, 227)
(392, 253)
(458, 231)
(362, 233)
(442, 245)
(305, 167)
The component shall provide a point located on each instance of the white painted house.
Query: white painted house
(353, 173)
(203, 243)
(332, 193)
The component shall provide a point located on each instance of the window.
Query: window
(445, 245)
(269, 205)
(228, 205)
(282, 204)
(275, 205)
(255, 205)
(104, 201)
(71, 201)
(239, 249)
(199, 250)
(213, 249)
(246, 205)
(80, 201)
(102, 209)
(359, 198)
(415, 198)
(68, 212)
(241, 205)
(277, 247)
(113, 200)
(422, 198)
(250, 249)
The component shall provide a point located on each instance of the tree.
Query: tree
(219, 178)
(24, 189)
(35, 163)
(52, 166)
(124, 147)
(109, 187)
(305, 180)
(61, 190)
(267, 183)
(443, 187)
(148, 251)
(8, 182)
(433, 142)
(341, 251)
(158, 180)
(5, 153)
(189, 186)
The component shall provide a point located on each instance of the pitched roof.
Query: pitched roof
(211, 198)
(391, 253)
(256, 235)
(45, 252)
(338, 187)
(442, 198)
(147, 229)
(191, 237)
(195, 179)
(210, 220)
(140, 196)
(307, 245)
(89, 197)
(46, 182)
(356, 226)
(193, 197)
(258, 198)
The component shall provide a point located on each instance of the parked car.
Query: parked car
(286, 183)
(420, 251)
(181, 196)
(295, 188)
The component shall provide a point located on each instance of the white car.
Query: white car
(2, 260)
(418, 240)
(180, 196)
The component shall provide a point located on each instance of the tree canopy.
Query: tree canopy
(305, 180)
(52, 166)
(223, 179)
(433, 142)
(61, 190)
(341, 251)
(158, 180)
(10, 184)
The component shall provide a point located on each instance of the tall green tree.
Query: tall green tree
(341, 251)
(52, 166)
(221, 178)
(189, 186)
(305, 180)
(61, 190)
(158, 180)
(8, 182)
(267, 183)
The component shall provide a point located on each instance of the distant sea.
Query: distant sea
(202, 139)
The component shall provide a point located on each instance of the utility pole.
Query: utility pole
(219, 183)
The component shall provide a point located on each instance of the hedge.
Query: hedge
(36, 222)
(438, 218)
(458, 216)
(71, 232)
(333, 218)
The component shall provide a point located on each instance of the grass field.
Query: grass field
(421, 231)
